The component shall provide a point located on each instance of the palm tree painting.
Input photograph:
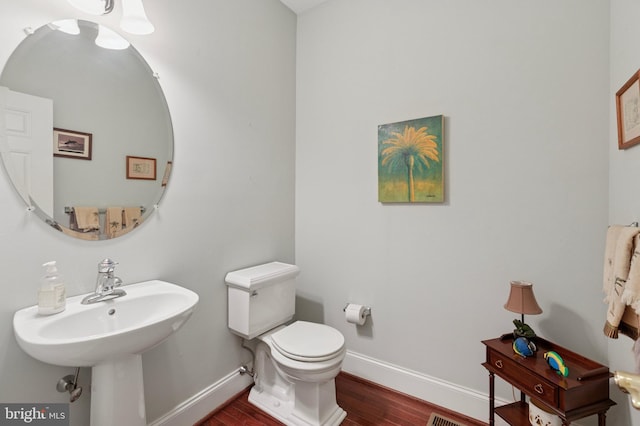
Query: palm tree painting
(410, 168)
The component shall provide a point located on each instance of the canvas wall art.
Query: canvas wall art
(410, 166)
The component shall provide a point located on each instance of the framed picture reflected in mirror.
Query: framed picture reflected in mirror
(141, 168)
(71, 144)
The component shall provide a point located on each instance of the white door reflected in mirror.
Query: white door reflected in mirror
(28, 154)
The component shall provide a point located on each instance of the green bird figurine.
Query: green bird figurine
(556, 362)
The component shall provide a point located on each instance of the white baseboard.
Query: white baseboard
(445, 394)
(204, 402)
(439, 392)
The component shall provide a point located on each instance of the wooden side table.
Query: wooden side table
(583, 393)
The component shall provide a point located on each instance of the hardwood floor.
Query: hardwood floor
(366, 403)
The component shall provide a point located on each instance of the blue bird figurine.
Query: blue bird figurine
(524, 347)
(556, 362)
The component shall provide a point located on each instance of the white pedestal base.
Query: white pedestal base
(117, 393)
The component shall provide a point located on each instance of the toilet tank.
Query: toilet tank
(261, 298)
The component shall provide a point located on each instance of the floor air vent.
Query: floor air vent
(438, 420)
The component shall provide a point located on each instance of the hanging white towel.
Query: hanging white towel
(113, 221)
(85, 220)
(620, 246)
(636, 354)
(132, 217)
(609, 256)
(631, 293)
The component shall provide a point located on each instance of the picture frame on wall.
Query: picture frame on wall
(72, 144)
(410, 161)
(628, 112)
(141, 168)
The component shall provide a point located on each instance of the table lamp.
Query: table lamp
(522, 301)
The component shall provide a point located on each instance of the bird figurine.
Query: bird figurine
(524, 347)
(556, 362)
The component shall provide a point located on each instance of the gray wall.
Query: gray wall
(227, 69)
(524, 90)
(527, 94)
(624, 173)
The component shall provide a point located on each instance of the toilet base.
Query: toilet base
(320, 395)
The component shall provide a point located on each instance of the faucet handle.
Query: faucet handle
(107, 265)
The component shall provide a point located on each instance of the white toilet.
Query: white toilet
(295, 365)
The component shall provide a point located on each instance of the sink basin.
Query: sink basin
(85, 335)
(108, 336)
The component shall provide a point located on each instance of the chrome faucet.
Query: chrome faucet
(106, 284)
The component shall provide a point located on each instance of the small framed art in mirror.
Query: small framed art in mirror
(71, 144)
(141, 168)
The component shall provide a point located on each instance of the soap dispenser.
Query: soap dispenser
(52, 297)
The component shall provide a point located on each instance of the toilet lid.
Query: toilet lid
(308, 341)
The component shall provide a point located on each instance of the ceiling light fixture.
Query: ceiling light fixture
(93, 7)
(110, 39)
(134, 19)
(69, 26)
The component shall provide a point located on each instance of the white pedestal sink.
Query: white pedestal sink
(110, 337)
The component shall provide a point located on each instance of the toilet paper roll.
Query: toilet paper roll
(355, 314)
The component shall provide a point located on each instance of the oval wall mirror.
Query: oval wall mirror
(87, 134)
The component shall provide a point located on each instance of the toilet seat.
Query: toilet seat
(308, 342)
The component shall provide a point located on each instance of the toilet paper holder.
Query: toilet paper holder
(365, 313)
